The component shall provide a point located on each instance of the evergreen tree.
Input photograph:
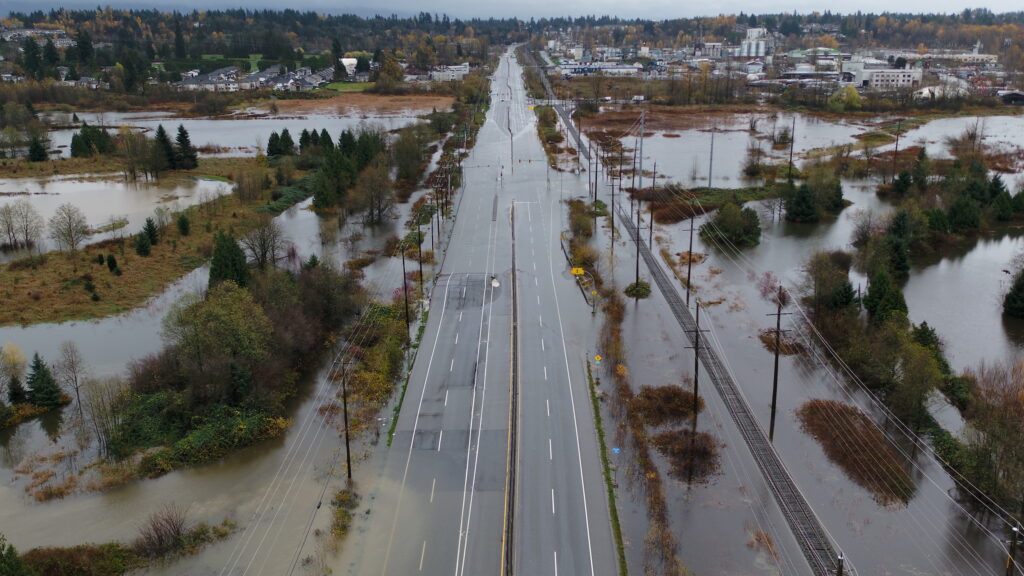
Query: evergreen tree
(1002, 206)
(921, 171)
(31, 60)
(50, 55)
(1018, 203)
(42, 387)
(10, 562)
(150, 230)
(83, 46)
(347, 143)
(325, 141)
(274, 144)
(1013, 302)
(304, 141)
(111, 262)
(314, 138)
(36, 150)
(904, 180)
(287, 145)
(186, 156)
(996, 187)
(180, 51)
(16, 393)
(964, 214)
(143, 246)
(163, 143)
(800, 205)
(79, 148)
(228, 261)
(184, 225)
(843, 296)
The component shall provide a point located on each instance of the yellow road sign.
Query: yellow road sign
(577, 271)
(597, 358)
(593, 291)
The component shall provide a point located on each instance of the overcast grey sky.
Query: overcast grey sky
(653, 9)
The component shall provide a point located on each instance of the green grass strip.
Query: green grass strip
(613, 509)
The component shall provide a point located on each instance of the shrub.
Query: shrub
(142, 244)
(639, 289)
(100, 259)
(184, 225)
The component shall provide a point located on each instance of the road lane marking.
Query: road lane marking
(541, 319)
(446, 397)
(552, 501)
(551, 456)
(547, 404)
(434, 483)
(535, 281)
(452, 367)
(439, 438)
(423, 552)
(556, 562)
(534, 266)
(456, 337)
(545, 373)
(412, 439)
(460, 316)
(541, 344)
(538, 299)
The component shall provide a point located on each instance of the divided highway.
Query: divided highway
(443, 505)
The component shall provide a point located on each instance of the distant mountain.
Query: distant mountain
(186, 6)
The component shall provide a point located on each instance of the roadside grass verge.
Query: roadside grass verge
(606, 467)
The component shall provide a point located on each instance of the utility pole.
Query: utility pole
(689, 262)
(344, 403)
(654, 186)
(696, 360)
(711, 156)
(839, 565)
(405, 286)
(1010, 560)
(775, 377)
(419, 255)
(637, 281)
(643, 120)
(896, 151)
(792, 140)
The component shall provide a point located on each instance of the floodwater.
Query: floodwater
(685, 156)
(234, 136)
(104, 199)
(957, 295)
(291, 471)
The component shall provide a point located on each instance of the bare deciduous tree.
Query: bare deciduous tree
(265, 244)
(105, 401)
(71, 370)
(68, 227)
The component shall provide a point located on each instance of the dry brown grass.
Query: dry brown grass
(110, 475)
(660, 405)
(693, 457)
(52, 491)
(54, 291)
(362, 103)
(761, 540)
(788, 346)
(855, 444)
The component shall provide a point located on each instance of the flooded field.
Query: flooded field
(106, 200)
(234, 136)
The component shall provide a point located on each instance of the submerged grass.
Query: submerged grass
(855, 444)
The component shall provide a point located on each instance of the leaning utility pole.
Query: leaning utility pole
(637, 238)
(775, 377)
(344, 403)
(405, 286)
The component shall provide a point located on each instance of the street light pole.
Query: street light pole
(405, 286)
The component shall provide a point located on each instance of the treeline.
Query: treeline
(140, 155)
(131, 40)
(999, 33)
(32, 394)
